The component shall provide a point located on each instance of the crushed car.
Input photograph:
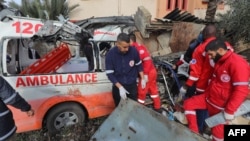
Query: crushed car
(48, 63)
(44, 62)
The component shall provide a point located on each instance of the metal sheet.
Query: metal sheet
(131, 121)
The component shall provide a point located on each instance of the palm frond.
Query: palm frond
(37, 8)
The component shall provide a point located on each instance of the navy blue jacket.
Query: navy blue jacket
(8, 96)
(123, 68)
(188, 54)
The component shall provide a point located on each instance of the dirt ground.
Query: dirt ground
(74, 133)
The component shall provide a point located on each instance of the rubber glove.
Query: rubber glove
(146, 77)
(123, 93)
(228, 117)
(183, 91)
(143, 83)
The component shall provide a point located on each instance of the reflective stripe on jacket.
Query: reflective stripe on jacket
(8, 96)
(197, 62)
(229, 85)
(7, 124)
(147, 62)
(123, 68)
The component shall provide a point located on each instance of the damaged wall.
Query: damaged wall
(157, 44)
(172, 41)
(182, 34)
(167, 37)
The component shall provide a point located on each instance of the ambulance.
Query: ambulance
(44, 62)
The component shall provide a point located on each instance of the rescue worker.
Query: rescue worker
(197, 72)
(226, 91)
(187, 56)
(150, 75)
(182, 65)
(123, 65)
(201, 68)
(8, 96)
(200, 72)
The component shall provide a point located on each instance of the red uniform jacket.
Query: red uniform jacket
(229, 46)
(229, 85)
(249, 85)
(147, 63)
(197, 69)
(201, 66)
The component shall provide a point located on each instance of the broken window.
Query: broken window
(24, 56)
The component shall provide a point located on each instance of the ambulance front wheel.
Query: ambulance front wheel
(64, 115)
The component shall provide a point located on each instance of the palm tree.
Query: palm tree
(236, 21)
(44, 9)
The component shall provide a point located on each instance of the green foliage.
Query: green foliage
(236, 21)
(44, 9)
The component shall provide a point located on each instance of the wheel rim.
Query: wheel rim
(65, 119)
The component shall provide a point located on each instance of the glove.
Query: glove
(146, 78)
(228, 117)
(143, 83)
(183, 91)
(123, 93)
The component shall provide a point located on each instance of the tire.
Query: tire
(64, 115)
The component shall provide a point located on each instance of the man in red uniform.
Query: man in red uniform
(201, 66)
(150, 75)
(200, 69)
(226, 91)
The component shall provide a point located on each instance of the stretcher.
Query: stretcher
(50, 62)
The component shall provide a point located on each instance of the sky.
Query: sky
(17, 1)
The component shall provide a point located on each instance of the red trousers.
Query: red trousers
(151, 88)
(199, 102)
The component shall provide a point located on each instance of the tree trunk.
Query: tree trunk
(211, 10)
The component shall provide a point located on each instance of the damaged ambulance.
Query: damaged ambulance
(46, 63)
